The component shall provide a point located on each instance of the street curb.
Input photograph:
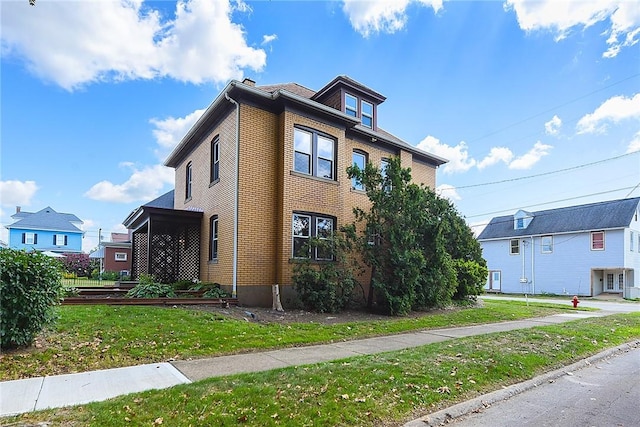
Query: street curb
(479, 403)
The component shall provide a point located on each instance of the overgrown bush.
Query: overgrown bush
(472, 277)
(327, 286)
(149, 288)
(78, 263)
(30, 285)
(215, 292)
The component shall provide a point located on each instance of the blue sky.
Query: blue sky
(535, 103)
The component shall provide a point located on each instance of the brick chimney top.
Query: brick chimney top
(249, 82)
(18, 209)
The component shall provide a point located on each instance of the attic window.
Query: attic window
(351, 105)
(519, 223)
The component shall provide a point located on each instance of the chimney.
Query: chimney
(17, 209)
(249, 82)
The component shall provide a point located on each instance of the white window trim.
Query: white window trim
(543, 245)
(29, 238)
(363, 114)
(511, 247)
(603, 241)
(120, 256)
(346, 106)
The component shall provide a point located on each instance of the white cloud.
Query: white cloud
(448, 191)
(77, 43)
(552, 127)
(266, 39)
(17, 193)
(533, 156)
(143, 185)
(458, 156)
(561, 17)
(170, 131)
(496, 155)
(612, 110)
(381, 16)
(634, 145)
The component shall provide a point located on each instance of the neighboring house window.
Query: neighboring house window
(609, 282)
(314, 153)
(59, 240)
(515, 247)
(305, 226)
(189, 180)
(121, 256)
(360, 160)
(215, 159)
(519, 223)
(351, 105)
(597, 241)
(213, 244)
(367, 114)
(30, 238)
(620, 282)
(547, 244)
(632, 240)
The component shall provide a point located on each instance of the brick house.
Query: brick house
(260, 172)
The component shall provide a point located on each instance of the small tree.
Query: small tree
(30, 285)
(327, 286)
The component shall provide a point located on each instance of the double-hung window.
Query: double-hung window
(213, 243)
(367, 114)
(515, 247)
(215, 159)
(351, 105)
(188, 181)
(314, 153)
(304, 227)
(30, 238)
(59, 240)
(359, 160)
(597, 241)
(547, 244)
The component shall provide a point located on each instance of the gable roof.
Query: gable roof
(593, 216)
(46, 219)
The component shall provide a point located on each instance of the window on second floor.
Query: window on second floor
(547, 244)
(360, 160)
(30, 238)
(213, 243)
(59, 240)
(314, 153)
(188, 181)
(597, 241)
(515, 247)
(215, 159)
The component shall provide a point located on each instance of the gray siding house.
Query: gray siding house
(580, 250)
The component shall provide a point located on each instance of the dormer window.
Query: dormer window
(521, 220)
(351, 105)
(367, 114)
(358, 107)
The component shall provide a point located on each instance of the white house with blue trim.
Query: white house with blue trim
(45, 230)
(580, 250)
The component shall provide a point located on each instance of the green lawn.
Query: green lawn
(383, 389)
(99, 337)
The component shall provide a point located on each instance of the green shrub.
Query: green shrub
(327, 287)
(183, 285)
(472, 277)
(215, 292)
(30, 285)
(148, 288)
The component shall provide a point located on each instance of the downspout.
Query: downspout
(533, 274)
(234, 280)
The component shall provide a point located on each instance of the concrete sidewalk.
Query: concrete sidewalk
(34, 394)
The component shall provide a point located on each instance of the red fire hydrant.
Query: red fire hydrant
(575, 301)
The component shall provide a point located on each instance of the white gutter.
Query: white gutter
(234, 280)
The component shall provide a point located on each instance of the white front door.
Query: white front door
(494, 281)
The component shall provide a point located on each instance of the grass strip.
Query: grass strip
(89, 338)
(384, 389)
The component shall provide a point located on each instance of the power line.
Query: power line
(549, 110)
(541, 174)
(555, 201)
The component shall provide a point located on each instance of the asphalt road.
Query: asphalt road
(603, 394)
